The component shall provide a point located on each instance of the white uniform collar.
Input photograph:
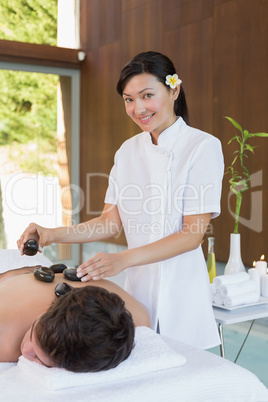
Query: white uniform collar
(167, 136)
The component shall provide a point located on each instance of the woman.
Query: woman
(164, 188)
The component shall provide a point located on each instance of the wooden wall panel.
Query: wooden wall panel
(100, 22)
(185, 12)
(194, 63)
(240, 90)
(220, 50)
(136, 37)
(102, 113)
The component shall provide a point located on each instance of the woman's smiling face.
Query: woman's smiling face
(150, 104)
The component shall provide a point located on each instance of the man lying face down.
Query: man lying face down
(87, 329)
(90, 328)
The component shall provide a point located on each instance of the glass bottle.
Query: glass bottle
(211, 261)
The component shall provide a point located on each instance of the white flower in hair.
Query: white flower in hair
(173, 80)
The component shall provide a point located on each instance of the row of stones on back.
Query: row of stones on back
(46, 274)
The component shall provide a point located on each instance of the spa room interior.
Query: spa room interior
(220, 51)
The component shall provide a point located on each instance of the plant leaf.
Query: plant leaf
(247, 135)
(234, 123)
(260, 134)
(240, 183)
(250, 148)
(235, 159)
(234, 138)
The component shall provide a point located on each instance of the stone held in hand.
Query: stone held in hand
(58, 268)
(44, 274)
(70, 273)
(31, 247)
(62, 288)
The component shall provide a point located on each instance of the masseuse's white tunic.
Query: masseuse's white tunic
(154, 186)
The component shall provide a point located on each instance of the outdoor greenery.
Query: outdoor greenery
(240, 177)
(28, 106)
(28, 103)
(32, 21)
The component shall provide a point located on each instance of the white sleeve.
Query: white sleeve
(202, 193)
(111, 196)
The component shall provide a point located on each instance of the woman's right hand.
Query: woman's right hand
(35, 232)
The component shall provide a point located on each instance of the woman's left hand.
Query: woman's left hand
(100, 266)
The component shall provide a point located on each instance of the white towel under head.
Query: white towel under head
(151, 353)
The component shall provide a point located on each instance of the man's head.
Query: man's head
(86, 330)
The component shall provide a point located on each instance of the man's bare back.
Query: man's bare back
(23, 298)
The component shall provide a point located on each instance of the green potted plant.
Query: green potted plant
(239, 183)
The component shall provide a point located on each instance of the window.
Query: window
(51, 199)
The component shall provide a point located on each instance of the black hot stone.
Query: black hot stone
(30, 247)
(44, 274)
(62, 288)
(58, 268)
(70, 273)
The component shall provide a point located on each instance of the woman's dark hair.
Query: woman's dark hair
(158, 65)
(86, 330)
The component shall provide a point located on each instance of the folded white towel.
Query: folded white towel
(233, 278)
(218, 299)
(235, 289)
(246, 298)
(151, 353)
(213, 289)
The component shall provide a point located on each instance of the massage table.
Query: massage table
(158, 369)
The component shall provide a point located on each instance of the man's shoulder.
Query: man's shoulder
(9, 342)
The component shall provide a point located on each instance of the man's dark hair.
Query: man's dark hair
(86, 330)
